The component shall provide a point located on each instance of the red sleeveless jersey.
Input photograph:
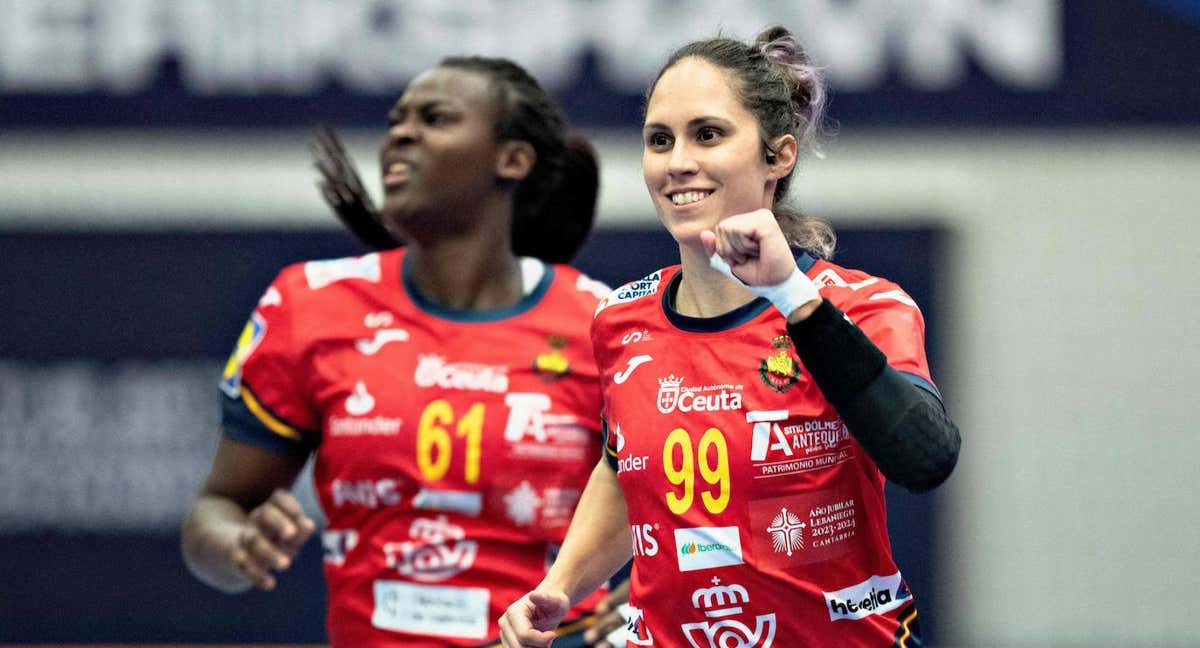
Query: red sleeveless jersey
(451, 446)
(757, 519)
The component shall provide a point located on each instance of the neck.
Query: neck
(473, 270)
(704, 292)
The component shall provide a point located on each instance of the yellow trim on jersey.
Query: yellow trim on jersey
(907, 630)
(264, 417)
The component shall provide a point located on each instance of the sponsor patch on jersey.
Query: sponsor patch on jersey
(435, 550)
(674, 395)
(533, 432)
(796, 530)
(367, 493)
(552, 364)
(779, 448)
(252, 334)
(729, 619)
(876, 595)
(431, 610)
(647, 285)
(451, 501)
(434, 370)
(707, 547)
(780, 370)
(325, 272)
(546, 507)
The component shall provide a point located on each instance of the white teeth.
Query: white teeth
(689, 197)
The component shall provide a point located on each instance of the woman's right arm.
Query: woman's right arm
(597, 545)
(244, 523)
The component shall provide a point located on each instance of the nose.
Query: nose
(403, 131)
(681, 161)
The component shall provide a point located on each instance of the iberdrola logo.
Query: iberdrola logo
(780, 371)
(688, 549)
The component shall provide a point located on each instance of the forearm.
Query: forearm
(904, 429)
(209, 536)
(598, 542)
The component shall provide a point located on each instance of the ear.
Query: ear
(784, 158)
(515, 160)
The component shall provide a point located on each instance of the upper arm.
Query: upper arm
(248, 474)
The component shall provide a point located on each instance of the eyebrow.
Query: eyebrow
(692, 123)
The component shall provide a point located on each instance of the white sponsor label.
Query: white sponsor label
(707, 547)
(631, 291)
(322, 273)
(433, 610)
(876, 595)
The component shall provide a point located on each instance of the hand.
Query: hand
(753, 246)
(530, 622)
(610, 617)
(272, 536)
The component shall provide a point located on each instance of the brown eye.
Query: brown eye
(708, 134)
(658, 140)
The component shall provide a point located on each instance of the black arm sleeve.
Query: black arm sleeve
(902, 427)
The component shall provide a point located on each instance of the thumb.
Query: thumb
(709, 239)
(548, 607)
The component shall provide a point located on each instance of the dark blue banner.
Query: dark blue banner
(251, 64)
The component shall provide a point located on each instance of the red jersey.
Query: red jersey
(451, 446)
(757, 519)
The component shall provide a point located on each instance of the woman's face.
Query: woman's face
(439, 156)
(703, 159)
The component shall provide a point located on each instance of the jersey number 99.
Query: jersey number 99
(680, 468)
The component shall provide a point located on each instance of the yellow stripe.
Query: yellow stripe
(272, 423)
(907, 631)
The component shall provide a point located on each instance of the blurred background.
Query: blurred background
(1028, 169)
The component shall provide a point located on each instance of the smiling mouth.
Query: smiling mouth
(689, 197)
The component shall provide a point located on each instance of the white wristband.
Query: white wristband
(787, 295)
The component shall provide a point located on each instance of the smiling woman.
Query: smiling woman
(788, 389)
(446, 388)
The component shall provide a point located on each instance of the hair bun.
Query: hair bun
(777, 45)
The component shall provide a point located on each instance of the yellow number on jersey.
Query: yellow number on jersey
(433, 440)
(683, 472)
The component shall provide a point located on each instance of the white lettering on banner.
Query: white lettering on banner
(433, 610)
(296, 47)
